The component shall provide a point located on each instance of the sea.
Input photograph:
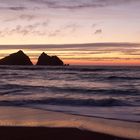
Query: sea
(111, 92)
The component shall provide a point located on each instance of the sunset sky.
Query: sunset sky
(113, 25)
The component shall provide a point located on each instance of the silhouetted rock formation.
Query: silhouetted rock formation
(45, 59)
(18, 58)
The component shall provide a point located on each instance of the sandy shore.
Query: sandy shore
(24, 123)
(45, 133)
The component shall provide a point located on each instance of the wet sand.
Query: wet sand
(25, 123)
(42, 133)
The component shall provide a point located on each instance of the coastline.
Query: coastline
(25, 118)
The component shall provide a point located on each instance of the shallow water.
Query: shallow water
(108, 92)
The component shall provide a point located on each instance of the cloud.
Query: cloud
(81, 4)
(13, 8)
(46, 2)
(45, 23)
(54, 33)
(26, 17)
(98, 31)
(94, 25)
(61, 4)
(72, 27)
(68, 4)
(17, 8)
(62, 30)
(24, 30)
(84, 47)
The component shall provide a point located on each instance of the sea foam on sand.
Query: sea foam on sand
(17, 116)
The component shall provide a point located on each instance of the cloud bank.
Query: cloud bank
(61, 4)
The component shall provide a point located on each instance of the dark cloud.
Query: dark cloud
(62, 4)
(80, 4)
(46, 2)
(131, 51)
(14, 8)
(68, 4)
(98, 31)
(17, 8)
(90, 46)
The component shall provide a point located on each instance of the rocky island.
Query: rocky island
(18, 58)
(45, 59)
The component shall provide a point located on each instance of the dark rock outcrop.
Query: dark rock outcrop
(45, 59)
(19, 58)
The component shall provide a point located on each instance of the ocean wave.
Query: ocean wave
(72, 102)
(15, 88)
(31, 67)
(71, 68)
(122, 78)
(83, 85)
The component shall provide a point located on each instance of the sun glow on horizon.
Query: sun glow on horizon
(88, 54)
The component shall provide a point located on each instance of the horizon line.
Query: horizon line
(90, 43)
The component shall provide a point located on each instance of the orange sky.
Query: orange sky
(83, 54)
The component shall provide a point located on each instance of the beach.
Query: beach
(25, 123)
(43, 133)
